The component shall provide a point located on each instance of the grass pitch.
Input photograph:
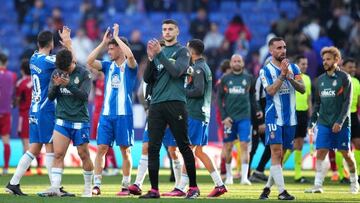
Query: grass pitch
(73, 182)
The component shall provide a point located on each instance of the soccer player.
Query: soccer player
(236, 95)
(280, 80)
(303, 112)
(42, 110)
(332, 116)
(116, 120)
(23, 100)
(349, 66)
(70, 86)
(7, 89)
(168, 105)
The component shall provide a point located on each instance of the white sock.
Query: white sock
(49, 159)
(126, 181)
(228, 170)
(353, 178)
(270, 181)
(320, 173)
(277, 174)
(216, 178)
(88, 175)
(177, 171)
(97, 180)
(21, 168)
(184, 181)
(56, 174)
(244, 171)
(142, 169)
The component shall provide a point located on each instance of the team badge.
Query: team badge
(198, 71)
(244, 82)
(334, 83)
(115, 81)
(230, 82)
(76, 80)
(322, 84)
(272, 134)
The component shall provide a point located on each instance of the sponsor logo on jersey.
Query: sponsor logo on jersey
(328, 93)
(115, 81)
(237, 90)
(64, 90)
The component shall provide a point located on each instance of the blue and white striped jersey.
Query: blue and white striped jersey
(119, 83)
(41, 68)
(280, 108)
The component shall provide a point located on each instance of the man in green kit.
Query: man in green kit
(168, 106)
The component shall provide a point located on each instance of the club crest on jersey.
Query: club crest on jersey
(115, 81)
(244, 82)
(334, 83)
(159, 67)
(230, 82)
(198, 71)
(76, 80)
(322, 84)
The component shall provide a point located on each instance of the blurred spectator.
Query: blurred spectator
(55, 23)
(90, 19)
(236, 26)
(29, 47)
(137, 47)
(22, 7)
(134, 6)
(242, 45)
(184, 6)
(200, 25)
(82, 46)
(335, 32)
(213, 38)
(254, 66)
(355, 40)
(309, 53)
(312, 29)
(35, 20)
(282, 24)
(264, 50)
(321, 42)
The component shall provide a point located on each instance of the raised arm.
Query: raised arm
(91, 60)
(131, 62)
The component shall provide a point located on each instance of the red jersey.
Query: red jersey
(24, 91)
(7, 89)
(99, 95)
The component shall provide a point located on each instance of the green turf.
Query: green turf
(73, 182)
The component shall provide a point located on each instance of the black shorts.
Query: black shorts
(302, 120)
(355, 126)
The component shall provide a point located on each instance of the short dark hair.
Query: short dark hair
(225, 65)
(25, 66)
(275, 39)
(63, 59)
(123, 39)
(170, 21)
(3, 59)
(44, 38)
(349, 60)
(197, 45)
(298, 58)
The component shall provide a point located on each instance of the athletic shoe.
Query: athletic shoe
(302, 180)
(123, 192)
(174, 193)
(51, 192)
(229, 181)
(245, 182)
(260, 175)
(39, 171)
(14, 189)
(335, 177)
(134, 189)
(151, 194)
(345, 181)
(193, 193)
(285, 196)
(65, 193)
(315, 189)
(265, 193)
(218, 191)
(87, 193)
(354, 188)
(96, 191)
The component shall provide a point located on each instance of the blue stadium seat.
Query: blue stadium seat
(229, 6)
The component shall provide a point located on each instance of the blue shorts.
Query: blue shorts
(41, 126)
(284, 135)
(326, 139)
(198, 132)
(242, 128)
(116, 128)
(169, 140)
(77, 132)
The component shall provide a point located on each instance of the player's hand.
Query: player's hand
(261, 129)
(64, 81)
(259, 115)
(284, 67)
(65, 35)
(336, 128)
(149, 51)
(227, 122)
(116, 30)
(106, 37)
(56, 80)
(155, 46)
